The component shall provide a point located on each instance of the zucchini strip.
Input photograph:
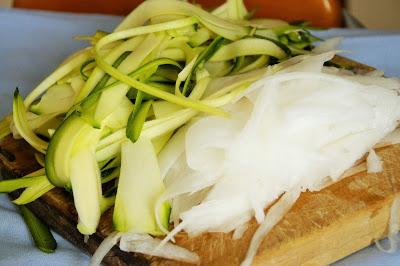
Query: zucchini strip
(152, 8)
(281, 45)
(116, 162)
(141, 30)
(200, 37)
(155, 91)
(114, 174)
(155, 128)
(111, 145)
(106, 203)
(204, 56)
(5, 126)
(239, 62)
(7, 186)
(41, 234)
(109, 151)
(103, 81)
(184, 75)
(136, 121)
(60, 149)
(141, 52)
(260, 62)
(114, 137)
(236, 9)
(77, 60)
(22, 125)
(241, 48)
(92, 98)
(36, 190)
(83, 67)
(110, 58)
(160, 141)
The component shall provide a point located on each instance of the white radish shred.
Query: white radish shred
(303, 127)
(145, 244)
(391, 139)
(299, 127)
(362, 167)
(394, 227)
(274, 215)
(239, 231)
(105, 246)
(328, 45)
(374, 162)
(171, 152)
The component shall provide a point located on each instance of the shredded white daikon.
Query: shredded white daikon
(238, 233)
(391, 139)
(394, 227)
(142, 243)
(274, 215)
(374, 162)
(328, 45)
(105, 246)
(299, 126)
(145, 244)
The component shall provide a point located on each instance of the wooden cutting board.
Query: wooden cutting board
(322, 227)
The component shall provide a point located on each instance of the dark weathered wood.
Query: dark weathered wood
(56, 207)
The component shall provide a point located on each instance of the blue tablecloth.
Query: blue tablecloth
(33, 43)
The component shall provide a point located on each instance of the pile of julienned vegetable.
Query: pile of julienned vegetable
(100, 119)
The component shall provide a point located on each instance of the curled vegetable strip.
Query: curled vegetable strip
(241, 48)
(22, 125)
(5, 126)
(36, 190)
(23, 182)
(394, 226)
(142, 86)
(142, 243)
(274, 215)
(40, 159)
(179, 23)
(145, 244)
(152, 8)
(98, 74)
(105, 246)
(36, 184)
(111, 145)
(236, 9)
(77, 60)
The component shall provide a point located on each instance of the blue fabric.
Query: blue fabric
(33, 43)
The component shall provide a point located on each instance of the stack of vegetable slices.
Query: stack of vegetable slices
(100, 119)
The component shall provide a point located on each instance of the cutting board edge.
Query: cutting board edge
(374, 218)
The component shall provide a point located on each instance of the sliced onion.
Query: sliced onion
(145, 244)
(374, 162)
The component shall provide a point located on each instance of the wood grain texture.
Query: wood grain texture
(322, 227)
